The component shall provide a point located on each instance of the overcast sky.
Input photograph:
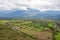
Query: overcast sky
(42, 5)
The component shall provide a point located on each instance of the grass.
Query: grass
(57, 37)
(8, 34)
(29, 30)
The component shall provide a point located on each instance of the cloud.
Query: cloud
(41, 5)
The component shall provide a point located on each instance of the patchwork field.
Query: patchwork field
(29, 30)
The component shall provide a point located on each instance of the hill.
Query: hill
(8, 34)
(30, 13)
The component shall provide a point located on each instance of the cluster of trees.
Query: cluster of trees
(51, 24)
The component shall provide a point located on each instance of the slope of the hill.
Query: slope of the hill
(8, 34)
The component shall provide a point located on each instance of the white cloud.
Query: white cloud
(24, 4)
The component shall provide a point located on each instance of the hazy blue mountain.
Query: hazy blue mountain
(49, 15)
(30, 13)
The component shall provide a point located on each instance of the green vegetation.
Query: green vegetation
(7, 33)
(57, 36)
(28, 29)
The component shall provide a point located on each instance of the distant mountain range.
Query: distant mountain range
(30, 13)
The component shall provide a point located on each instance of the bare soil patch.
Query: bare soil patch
(45, 35)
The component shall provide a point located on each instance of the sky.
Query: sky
(41, 5)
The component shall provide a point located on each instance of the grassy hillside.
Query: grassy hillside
(29, 30)
(8, 34)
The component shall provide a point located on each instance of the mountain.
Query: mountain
(49, 15)
(30, 13)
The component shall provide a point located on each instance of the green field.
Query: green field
(29, 29)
